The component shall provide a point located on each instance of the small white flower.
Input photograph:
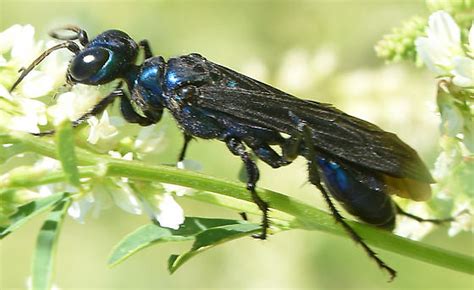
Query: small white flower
(4, 93)
(410, 228)
(165, 210)
(47, 163)
(442, 44)
(189, 165)
(100, 129)
(463, 71)
(37, 84)
(442, 166)
(171, 214)
(128, 156)
(79, 208)
(120, 193)
(17, 50)
(19, 41)
(148, 139)
(102, 196)
(463, 220)
(33, 114)
(442, 27)
(125, 198)
(75, 103)
(177, 189)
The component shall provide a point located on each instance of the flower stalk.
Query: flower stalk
(286, 211)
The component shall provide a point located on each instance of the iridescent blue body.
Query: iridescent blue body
(367, 200)
(183, 85)
(158, 84)
(356, 162)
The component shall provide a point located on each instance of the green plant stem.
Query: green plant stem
(225, 193)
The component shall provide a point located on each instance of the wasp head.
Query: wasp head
(108, 56)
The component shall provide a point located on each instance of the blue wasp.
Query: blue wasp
(354, 161)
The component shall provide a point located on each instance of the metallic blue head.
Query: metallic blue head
(107, 57)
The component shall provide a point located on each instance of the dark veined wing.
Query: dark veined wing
(334, 132)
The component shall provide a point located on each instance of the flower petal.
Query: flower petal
(24, 44)
(164, 209)
(409, 228)
(442, 44)
(101, 129)
(4, 93)
(463, 71)
(429, 54)
(148, 139)
(79, 208)
(72, 105)
(7, 37)
(443, 28)
(126, 199)
(463, 219)
(189, 164)
(34, 114)
(171, 214)
(177, 189)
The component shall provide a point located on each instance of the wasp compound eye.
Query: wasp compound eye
(88, 63)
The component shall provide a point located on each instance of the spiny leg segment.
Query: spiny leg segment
(316, 180)
(237, 148)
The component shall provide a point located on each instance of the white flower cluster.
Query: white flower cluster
(443, 52)
(26, 110)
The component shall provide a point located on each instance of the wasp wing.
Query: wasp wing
(334, 132)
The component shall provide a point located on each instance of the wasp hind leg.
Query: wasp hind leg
(315, 179)
(400, 211)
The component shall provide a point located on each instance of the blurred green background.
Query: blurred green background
(321, 50)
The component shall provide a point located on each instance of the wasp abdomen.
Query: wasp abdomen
(362, 195)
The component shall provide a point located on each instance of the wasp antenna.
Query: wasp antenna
(80, 35)
(71, 46)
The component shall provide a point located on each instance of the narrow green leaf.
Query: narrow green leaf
(211, 238)
(46, 244)
(32, 209)
(66, 152)
(148, 235)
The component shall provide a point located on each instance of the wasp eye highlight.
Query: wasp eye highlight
(88, 63)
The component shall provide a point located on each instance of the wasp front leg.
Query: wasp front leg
(94, 111)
